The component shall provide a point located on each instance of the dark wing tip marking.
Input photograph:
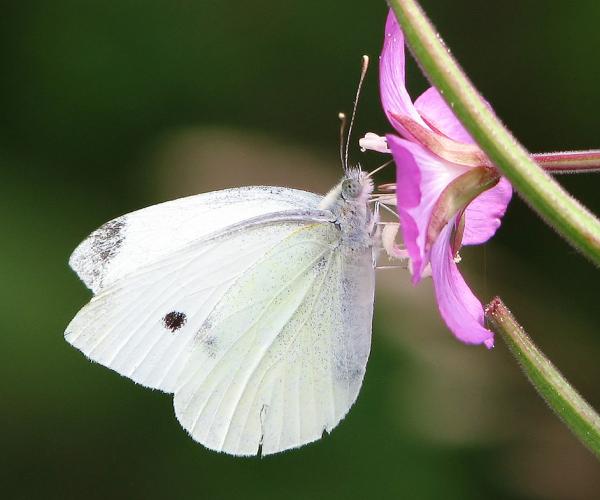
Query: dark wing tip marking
(108, 238)
(93, 255)
(174, 320)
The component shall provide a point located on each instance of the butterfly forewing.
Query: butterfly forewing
(142, 325)
(144, 236)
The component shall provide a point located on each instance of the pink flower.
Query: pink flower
(447, 192)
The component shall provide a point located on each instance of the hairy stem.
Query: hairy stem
(564, 400)
(569, 162)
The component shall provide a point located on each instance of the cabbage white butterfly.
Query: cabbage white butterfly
(252, 306)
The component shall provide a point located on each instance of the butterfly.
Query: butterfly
(252, 306)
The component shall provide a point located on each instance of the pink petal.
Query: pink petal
(394, 96)
(420, 179)
(436, 142)
(460, 309)
(434, 110)
(483, 215)
(455, 198)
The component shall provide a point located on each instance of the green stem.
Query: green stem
(538, 188)
(569, 162)
(564, 400)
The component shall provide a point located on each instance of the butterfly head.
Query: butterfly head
(356, 185)
(355, 188)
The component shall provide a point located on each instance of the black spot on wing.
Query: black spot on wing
(174, 320)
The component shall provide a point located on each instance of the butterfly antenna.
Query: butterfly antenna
(363, 72)
(343, 120)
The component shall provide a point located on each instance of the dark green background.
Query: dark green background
(106, 107)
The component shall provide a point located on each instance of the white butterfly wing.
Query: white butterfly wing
(139, 238)
(275, 337)
(143, 325)
(293, 340)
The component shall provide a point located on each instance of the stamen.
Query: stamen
(388, 240)
(387, 188)
(386, 199)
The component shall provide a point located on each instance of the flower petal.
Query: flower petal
(394, 96)
(420, 179)
(461, 310)
(438, 115)
(436, 142)
(455, 198)
(483, 215)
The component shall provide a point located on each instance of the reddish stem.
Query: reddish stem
(569, 162)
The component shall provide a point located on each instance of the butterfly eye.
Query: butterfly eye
(350, 189)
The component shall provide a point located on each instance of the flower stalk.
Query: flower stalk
(569, 162)
(568, 217)
(564, 400)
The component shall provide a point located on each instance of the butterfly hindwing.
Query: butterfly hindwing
(286, 367)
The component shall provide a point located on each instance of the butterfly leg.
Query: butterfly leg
(386, 207)
(399, 266)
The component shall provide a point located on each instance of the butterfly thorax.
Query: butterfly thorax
(348, 201)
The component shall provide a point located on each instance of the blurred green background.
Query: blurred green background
(107, 107)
